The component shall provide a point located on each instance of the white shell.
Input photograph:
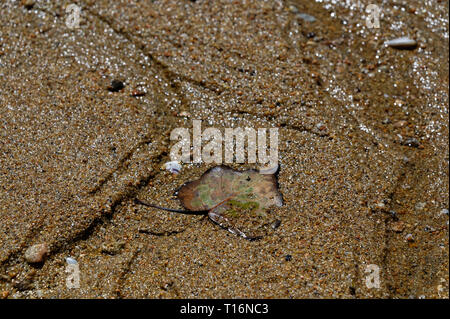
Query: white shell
(173, 167)
(268, 169)
(71, 261)
(401, 43)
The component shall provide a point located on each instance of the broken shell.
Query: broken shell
(402, 43)
(173, 167)
(71, 261)
(268, 169)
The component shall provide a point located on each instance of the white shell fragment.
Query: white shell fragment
(173, 167)
(268, 169)
(71, 261)
(306, 17)
(402, 43)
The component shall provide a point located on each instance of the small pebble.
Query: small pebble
(403, 43)
(400, 124)
(409, 238)
(36, 253)
(306, 17)
(411, 142)
(321, 126)
(398, 226)
(5, 294)
(293, 9)
(28, 4)
(444, 211)
(71, 261)
(116, 86)
(137, 93)
(399, 102)
(288, 257)
(276, 224)
(380, 205)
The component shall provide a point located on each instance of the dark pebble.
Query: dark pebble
(28, 4)
(411, 142)
(116, 86)
(288, 258)
(276, 224)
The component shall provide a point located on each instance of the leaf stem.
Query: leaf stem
(181, 211)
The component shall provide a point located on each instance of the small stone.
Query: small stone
(293, 9)
(398, 226)
(288, 258)
(380, 205)
(409, 238)
(116, 86)
(306, 17)
(138, 93)
(411, 142)
(5, 294)
(276, 224)
(398, 102)
(71, 261)
(386, 121)
(28, 4)
(383, 68)
(403, 43)
(444, 211)
(400, 124)
(36, 253)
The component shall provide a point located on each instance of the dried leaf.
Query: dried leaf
(236, 200)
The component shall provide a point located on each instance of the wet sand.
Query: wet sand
(363, 147)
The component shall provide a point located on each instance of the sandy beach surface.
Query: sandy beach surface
(363, 147)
